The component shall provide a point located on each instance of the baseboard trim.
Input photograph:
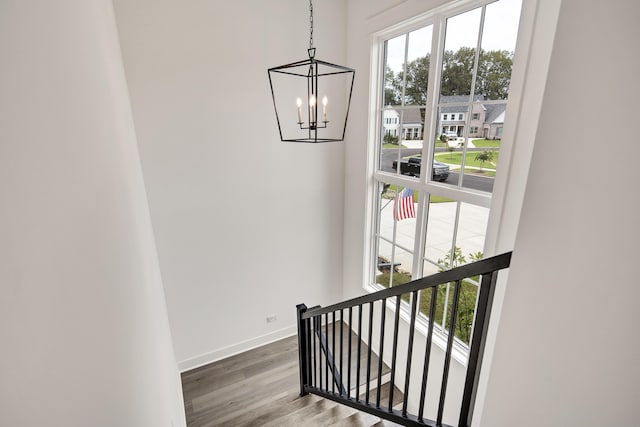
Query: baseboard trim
(223, 353)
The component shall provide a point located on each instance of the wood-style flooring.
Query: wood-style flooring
(261, 388)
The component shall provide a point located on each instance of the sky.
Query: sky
(499, 33)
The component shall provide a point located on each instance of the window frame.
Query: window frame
(424, 185)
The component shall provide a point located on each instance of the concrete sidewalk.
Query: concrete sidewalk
(472, 227)
(417, 143)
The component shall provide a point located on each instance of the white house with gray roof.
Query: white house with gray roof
(486, 121)
(405, 123)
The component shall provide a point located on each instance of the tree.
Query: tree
(494, 74)
(390, 139)
(417, 72)
(492, 82)
(484, 156)
(451, 149)
(391, 89)
(457, 71)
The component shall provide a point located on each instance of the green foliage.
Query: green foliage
(457, 71)
(466, 307)
(399, 278)
(447, 263)
(484, 156)
(390, 139)
(487, 143)
(494, 74)
(475, 256)
(456, 159)
(468, 295)
(417, 79)
(390, 191)
(493, 77)
(451, 149)
(439, 199)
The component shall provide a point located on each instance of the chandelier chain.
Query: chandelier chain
(310, 24)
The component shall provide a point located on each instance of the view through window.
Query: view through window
(443, 102)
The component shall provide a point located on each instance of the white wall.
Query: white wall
(83, 324)
(246, 226)
(567, 350)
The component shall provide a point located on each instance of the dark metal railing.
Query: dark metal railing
(322, 360)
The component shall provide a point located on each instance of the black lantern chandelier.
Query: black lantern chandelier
(311, 97)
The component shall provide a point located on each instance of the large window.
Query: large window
(432, 194)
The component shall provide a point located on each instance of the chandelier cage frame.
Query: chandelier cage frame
(289, 80)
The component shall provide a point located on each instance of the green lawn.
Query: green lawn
(487, 143)
(466, 308)
(392, 191)
(438, 144)
(480, 143)
(455, 158)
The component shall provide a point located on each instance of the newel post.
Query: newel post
(303, 356)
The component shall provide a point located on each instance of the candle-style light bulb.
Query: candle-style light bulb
(299, 104)
(325, 101)
(312, 107)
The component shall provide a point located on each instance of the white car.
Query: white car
(452, 136)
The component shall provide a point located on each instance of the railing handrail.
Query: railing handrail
(480, 267)
(310, 332)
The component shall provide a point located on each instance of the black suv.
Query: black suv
(411, 167)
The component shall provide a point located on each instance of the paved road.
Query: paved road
(476, 182)
(482, 183)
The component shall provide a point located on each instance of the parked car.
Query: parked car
(451, 136)
(411, 167)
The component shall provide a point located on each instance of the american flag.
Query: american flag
(403, 206)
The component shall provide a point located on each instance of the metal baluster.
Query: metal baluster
(341, 354)
(394, 352)
(412, 328)
(381, 352)
(302, 349)
(326, 351)
(313, 347)
(309, 355)
(427, 352)
(447, 360)
(359, 352)
(333, 353)
(319, 335)
(370, 345)
(349, 353)
(476, 347)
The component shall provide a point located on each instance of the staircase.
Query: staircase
(333, 366)
(260, 387)
(329, 376)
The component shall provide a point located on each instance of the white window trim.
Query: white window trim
(493, 201)
(536, 36)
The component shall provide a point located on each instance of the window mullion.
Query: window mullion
(404, 70)
(476, 61)
(418, 247)
(474, 75)
(431, 113)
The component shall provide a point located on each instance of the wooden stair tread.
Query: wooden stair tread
(261, 388)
